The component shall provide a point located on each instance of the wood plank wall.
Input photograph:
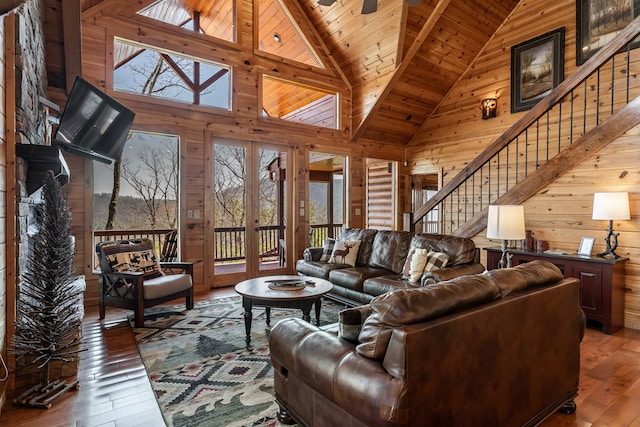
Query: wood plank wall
(196, 126)
(561, 212)
(4, 232)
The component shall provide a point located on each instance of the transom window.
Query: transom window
(161, 74)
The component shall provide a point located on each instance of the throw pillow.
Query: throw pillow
(414, 265)
(345, 252)
(436, 260)
(131, 255)
(351, 320)
(327, 249)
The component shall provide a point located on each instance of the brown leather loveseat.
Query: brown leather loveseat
(499, 349)
(380, 259)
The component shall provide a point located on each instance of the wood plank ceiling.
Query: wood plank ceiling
(400, 61)
(438, 41)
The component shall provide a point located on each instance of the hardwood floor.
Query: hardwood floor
(114, 389)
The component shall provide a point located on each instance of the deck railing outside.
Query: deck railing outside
(229, 241)
(318, 233)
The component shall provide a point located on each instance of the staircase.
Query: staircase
(588, 110)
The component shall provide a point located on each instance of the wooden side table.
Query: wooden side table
(601, 282)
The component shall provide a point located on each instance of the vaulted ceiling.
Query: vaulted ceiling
(400, 61)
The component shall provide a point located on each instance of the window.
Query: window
(299, 103)
(212, 18)
(326, 196)
(159, 74)
(147, 196)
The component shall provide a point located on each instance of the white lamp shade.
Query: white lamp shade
(611, 205)
(506, 222)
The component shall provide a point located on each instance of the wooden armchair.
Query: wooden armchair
(131, 277)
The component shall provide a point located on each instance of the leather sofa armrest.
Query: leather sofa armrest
(447, 273)
(331, 366)
(312, 254)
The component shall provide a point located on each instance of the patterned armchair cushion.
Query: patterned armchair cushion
(129, 256)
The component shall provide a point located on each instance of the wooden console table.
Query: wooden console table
(601, 282)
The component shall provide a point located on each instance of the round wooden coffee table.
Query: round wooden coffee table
(265, 292)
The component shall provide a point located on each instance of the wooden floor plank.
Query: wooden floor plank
(115, 390)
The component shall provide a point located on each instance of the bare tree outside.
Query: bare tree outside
(148, 187)
(230, 190)
(153, 176)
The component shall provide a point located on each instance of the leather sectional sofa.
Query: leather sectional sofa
(495, 349)
(380, 260)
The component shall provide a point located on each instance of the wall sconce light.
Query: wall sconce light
(610, 206)
(489, 108)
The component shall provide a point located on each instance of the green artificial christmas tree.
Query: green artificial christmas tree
(47, 319)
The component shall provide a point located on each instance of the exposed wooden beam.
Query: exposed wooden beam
(592, 142)
(399, 71)
(72, 29)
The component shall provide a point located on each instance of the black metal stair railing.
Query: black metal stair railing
(594, 93)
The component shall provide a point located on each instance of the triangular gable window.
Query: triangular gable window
(278, 34)
(214, 18)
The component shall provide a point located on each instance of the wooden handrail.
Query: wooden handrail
(558, 93)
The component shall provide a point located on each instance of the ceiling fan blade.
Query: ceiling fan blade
(369, 6)
(326, 2)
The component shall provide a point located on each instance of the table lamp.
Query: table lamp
(610, 206)
(505, 222)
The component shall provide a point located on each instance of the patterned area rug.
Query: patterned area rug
(200, 368)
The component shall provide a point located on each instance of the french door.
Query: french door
(250, 209)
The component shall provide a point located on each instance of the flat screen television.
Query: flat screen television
(93, 124)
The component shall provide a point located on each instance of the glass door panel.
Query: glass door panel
(271, 208)
(230, 207)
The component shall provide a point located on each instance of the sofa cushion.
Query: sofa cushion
(352, 278)
(366, 236)
(327, 249)
(461, 250)
(317, 269)
(351, 320)
(382, 284)
(409, 306)
(414, 264)
(523, 276)
(390, 249)
(436, 260)
(129, 256)
(345, 252)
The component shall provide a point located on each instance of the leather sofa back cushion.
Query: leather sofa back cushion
(409, 306)
(534, 273)
(390, 250)
(461, 250)
(366, 236)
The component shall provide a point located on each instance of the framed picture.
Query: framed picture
(598, 22)
(586, 246)
(537, 66)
